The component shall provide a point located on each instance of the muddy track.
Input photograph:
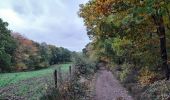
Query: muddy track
(108, 87)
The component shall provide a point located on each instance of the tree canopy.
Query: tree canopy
(7, 46)
(133, 31)
(18, 53)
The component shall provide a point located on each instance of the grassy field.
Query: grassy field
(28, 85)
(8, 78)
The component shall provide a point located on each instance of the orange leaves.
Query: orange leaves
(103, 7)
(25, 49)
(146, 77)
(24, 42)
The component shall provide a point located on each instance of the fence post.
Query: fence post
(70, 70)
(60, 76)
(70, 73)
(55, 78)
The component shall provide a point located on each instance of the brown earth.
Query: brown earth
(107, 87)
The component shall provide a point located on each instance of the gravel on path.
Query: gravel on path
(108, 87)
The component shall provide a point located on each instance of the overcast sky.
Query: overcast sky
(52, 21)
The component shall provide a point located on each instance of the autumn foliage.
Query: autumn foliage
(130, 31)
(18, 53)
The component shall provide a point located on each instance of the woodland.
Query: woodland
(130, 43)
(132, 37)
(18, 53)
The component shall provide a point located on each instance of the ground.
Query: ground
(28, 85)
(107, 87)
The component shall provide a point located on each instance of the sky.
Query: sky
(52, 21)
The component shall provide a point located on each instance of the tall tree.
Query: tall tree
(133, 20)
(7, 46)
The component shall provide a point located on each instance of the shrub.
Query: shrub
(147, 77)
(159, 90)
(85, 66)
(20, 66)
(43, 65)
(127, 73)
(76, 90)
(52, 94)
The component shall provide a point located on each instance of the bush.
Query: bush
(85, 66)
(159, 90)
(147, 77)
(76, 91)
(20, 66)
(43, 65)
(127, 73)
(52, 94)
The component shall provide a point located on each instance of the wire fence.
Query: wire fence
(37, 85)
(60, 76)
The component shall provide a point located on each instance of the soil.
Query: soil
(107, 87)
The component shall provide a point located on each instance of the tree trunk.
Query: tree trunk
(161, 32)
(164, 56)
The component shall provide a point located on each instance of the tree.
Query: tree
(59, 55)
(45, 53)
(7, 47)
(26, 54)
(135, 21)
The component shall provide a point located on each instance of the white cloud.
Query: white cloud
(10, 16)
(52, 21)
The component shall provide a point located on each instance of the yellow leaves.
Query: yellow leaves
(146, 77)
(103, 7)
(105, 58)
(162, 3)
(133, 20)
(92, 17)
(166, 19)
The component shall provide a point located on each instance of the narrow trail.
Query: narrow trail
(107, 87)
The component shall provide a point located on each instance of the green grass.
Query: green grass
(65, 67)
(9, 78)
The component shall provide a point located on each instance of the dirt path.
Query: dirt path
(108, 87)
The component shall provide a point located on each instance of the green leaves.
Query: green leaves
(5, 60)
(7, 46)
(123, 22)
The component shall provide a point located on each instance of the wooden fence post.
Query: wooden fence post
(55, 78)
(70, 70)
(70, 73)
(60, 76)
